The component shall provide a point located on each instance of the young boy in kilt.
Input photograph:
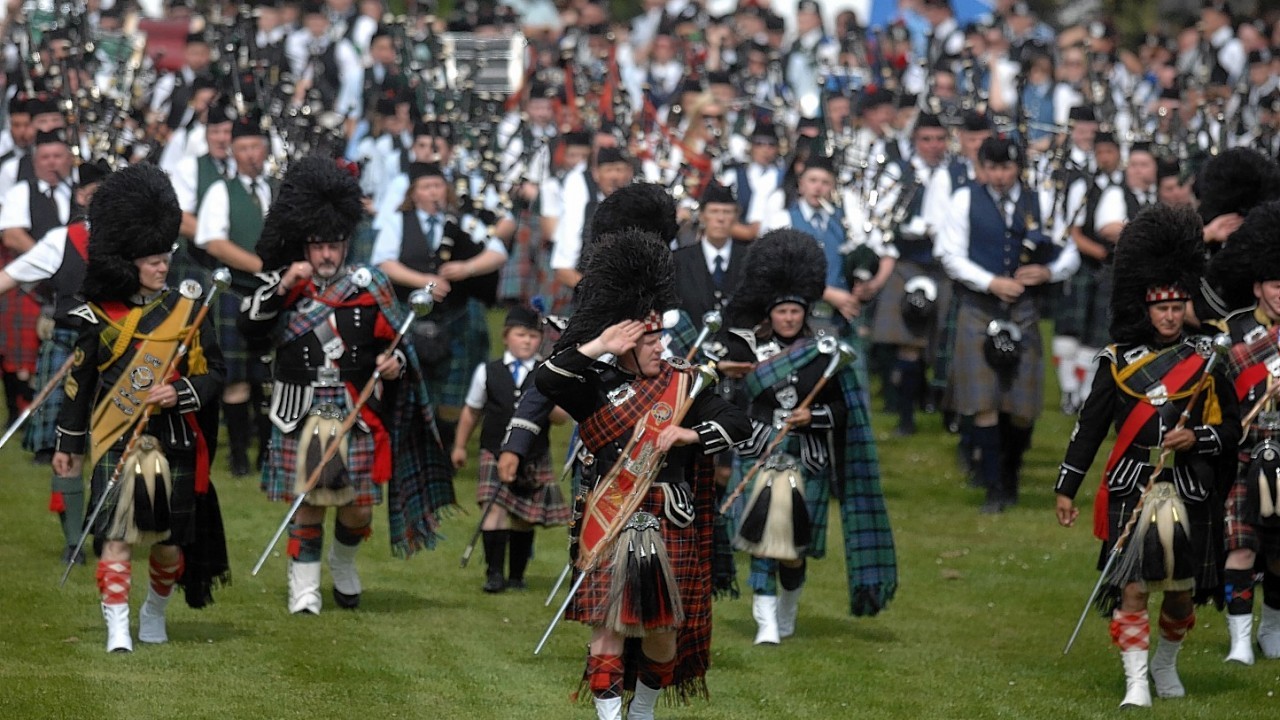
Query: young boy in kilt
(511, 509)
(1170, 415)
(628, 282)
(133, 324)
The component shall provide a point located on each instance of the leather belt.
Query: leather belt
(321, 376)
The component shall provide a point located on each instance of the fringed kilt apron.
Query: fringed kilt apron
(975, 386)
(890, 328)
(182, 499)
(534, 497)
(1206, 544)
(279, 474)
(41, 430)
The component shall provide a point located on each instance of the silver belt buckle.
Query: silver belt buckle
(780, 416)
(327, 377)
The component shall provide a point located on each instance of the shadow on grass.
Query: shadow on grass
(391, 601)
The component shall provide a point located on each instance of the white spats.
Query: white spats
(342, 565)
(1164, 669)
(764, 608)
(117, 618)
(1269, 633)
(643, 703)
(304, 587)
(1137, 689)
(788, 608)
(1240, 628)
(608, 709)
(151, 628)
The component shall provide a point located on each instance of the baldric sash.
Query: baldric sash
(650, 409)
(118, 409)
(1162, 377)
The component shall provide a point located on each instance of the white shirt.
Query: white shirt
(9, 172)
(479, 378)
(185, 179)
(953, 246)
(763, 180)
(568, 238)
(298, 47)
(214, 219)
(183, 143)
(42, 260)
(1230, 50)
(1112, 207)
(16, 212)
(391, 236)
(782, 218)
(711, 252)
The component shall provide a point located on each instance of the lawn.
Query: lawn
(984, 608)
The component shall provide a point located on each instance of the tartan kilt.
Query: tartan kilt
(524, 273)
(1206, 540)
(534, 497)
(1242, 535)
(184, 266)
(589, 604)
(19, 343)
(235, 352)
(279, 473)
(42, 428)
(888, 326)
(182, 501)
(973, 385)
(468, 335)
(361, 244)
(1082, 306)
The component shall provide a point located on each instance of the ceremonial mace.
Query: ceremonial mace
(421, 303)
(1221, 344)
(221, 280)
(39, 399)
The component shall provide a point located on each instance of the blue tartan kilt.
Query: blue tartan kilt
(41, 430)
(235, 352)
(279, 473)
(468, 336)
(973, 385)
(182, 500)
(534, 497)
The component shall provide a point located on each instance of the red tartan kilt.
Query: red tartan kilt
(534, 497)
(279, 472)
(1241, 535)
(589, 605)
(19, 344)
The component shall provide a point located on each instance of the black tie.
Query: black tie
(717, 272)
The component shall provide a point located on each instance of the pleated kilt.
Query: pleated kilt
(890, 328)
(468, 336)
(279, 473)
(534, 497)
(1082, 305)
(182, 500)
(590, 603)
(41, 430)
(235, 352)
(946, 350)
(974, 386)
(1243, 535)
(524, 274)
(1206, 542)
(19, 343)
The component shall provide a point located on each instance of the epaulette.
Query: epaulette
(84, 312)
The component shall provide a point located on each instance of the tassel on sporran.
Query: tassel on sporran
(333, 488)
(643, 594)
(1262, 489)
(142, 514)
(1159, 553)
(776, 524)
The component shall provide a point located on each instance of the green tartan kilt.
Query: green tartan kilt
(279, 473)
(468, 337)
(182, 500)
(1082, 306)
(41, 431)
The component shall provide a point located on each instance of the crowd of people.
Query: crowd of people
(821, 208)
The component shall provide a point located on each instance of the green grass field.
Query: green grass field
(977, 630)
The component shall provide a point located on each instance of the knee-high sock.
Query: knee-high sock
(656, 674)
(69, 492)
(1238, 588)
(163, 575)
(1175, 629)
(521, 551)
(1271, 590)
(1014, 441)
(239, 428)
(114, 579)
(1131, 631)
(1064, 349)
(792, 578)
(604, 676)
(495, 550)
(1086, 368)
(986, 440)
(910, 374)
(306, 542)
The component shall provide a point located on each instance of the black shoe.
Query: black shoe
(42, 457)
(345, 601)
(517, 584)
(495, 584)
(905, 429)
(992, 507)
(66, 555)
(239, 464)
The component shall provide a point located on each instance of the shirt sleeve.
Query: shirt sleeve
(42, 260)
(183, 180)
(15, 213)
(476, 392)
(569, 232)
(954, 244)
(213, 222)
(387, 245)
(1111, 209)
